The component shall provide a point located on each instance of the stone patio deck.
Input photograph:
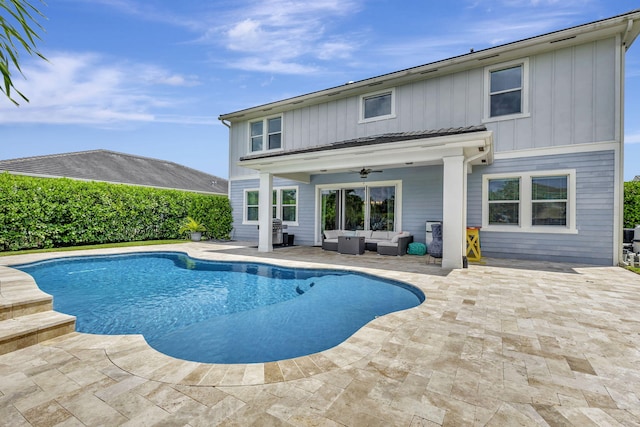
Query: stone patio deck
(501, 343)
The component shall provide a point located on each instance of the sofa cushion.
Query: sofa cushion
(380, 235)
(395, 237)
(364, 233)
(332, 234)
(388, 243)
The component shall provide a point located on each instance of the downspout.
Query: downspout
(487, 151)
(228, 125)
(626, 34)
(477, 156)
(618, 210)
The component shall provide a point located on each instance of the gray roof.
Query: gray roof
(111, 166)
(376, 139)
(636, 178)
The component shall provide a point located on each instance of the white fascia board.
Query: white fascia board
(426, 150)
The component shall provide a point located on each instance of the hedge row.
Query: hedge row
(56, 212)
(631, 204)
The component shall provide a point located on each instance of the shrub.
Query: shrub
(631, 204)
(56, 212)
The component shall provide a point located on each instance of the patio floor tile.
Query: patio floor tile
(501, 343)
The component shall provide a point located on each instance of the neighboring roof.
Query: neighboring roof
(114, 167)
(636, 178)
(372, 140)
(627, 25)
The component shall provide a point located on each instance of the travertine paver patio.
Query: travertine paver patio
(501, 343)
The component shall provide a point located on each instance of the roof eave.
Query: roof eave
(474, 146)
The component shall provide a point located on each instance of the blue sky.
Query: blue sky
(151, 78)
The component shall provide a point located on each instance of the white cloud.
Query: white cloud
(245, 36)
(284, 36)
(271, 66)
(633, 138)
(335, 50)
(91, 89)
(476, 31)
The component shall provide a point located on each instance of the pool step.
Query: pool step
(31, 329)
(26, 313)
(19, 295)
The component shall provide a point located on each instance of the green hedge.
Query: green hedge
(631, 204)
(56, 212)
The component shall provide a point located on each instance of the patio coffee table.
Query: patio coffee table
(352, 245)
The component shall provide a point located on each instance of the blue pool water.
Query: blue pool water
(218, 312)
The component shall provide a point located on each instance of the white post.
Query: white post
(453, 212)
(265, 235)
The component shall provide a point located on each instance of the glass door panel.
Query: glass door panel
(382, 208)
(330, 205)
(354, 209)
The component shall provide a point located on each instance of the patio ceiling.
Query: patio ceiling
(416, 150)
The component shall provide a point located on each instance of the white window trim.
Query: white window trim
(525, 203)
(361, 118)
(245, 221)
(525, 90)
(244, 207)
(339, 186)
(265, 134)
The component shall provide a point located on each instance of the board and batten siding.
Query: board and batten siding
(595, 183)
(572, 100)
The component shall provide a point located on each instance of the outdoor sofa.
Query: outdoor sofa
(383, 242)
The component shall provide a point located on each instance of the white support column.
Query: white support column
(265, 235)
(454, 206)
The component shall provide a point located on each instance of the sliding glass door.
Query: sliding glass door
(362, 208)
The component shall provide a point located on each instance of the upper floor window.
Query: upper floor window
(506, 90)
(266, 134)
(377, 106)
(530, 201)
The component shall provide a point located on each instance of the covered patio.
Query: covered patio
(457, 149)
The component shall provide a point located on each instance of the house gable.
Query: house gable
(570, 91)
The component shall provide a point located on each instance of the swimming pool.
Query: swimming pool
(218, 312)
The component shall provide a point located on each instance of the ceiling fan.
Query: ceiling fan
(364, 172)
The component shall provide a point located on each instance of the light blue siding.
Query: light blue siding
(595, 182)
(249, 232)
(421, 201)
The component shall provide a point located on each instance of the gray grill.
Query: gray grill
(277, 232)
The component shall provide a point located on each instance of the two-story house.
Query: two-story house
(524, 140)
